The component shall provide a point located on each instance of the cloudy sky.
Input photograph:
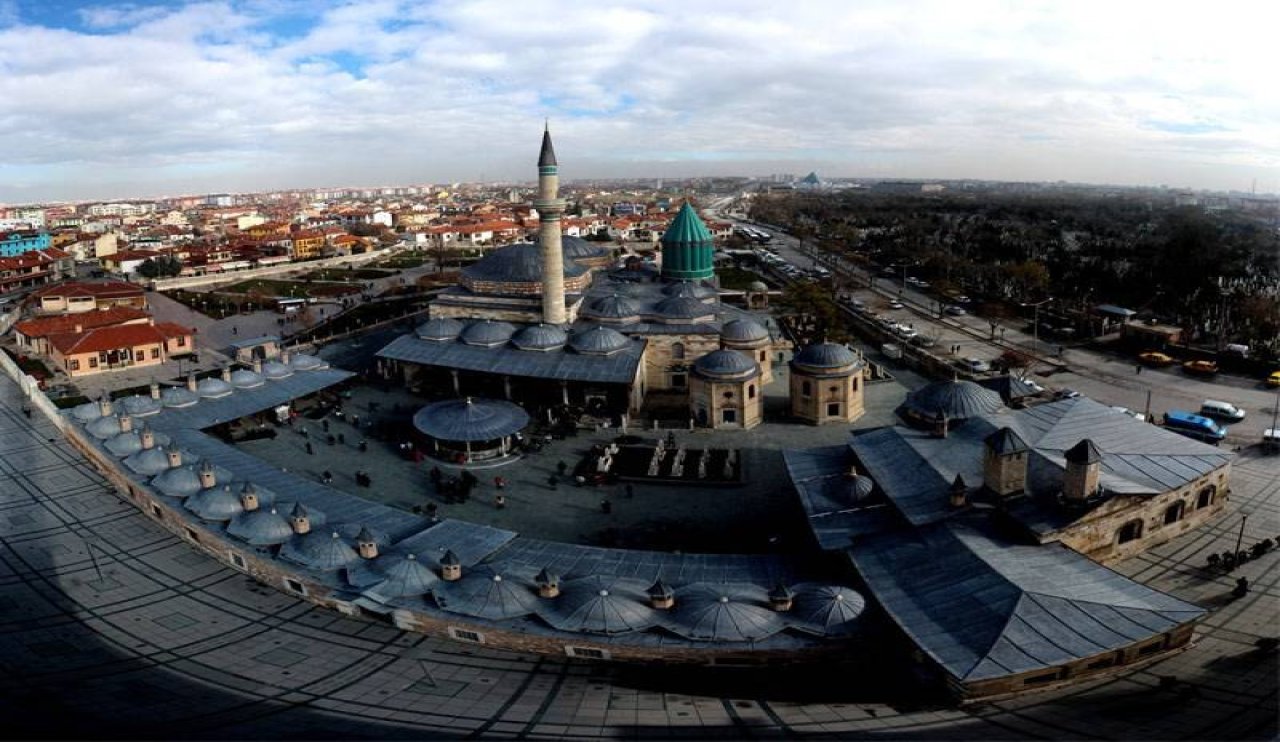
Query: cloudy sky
(146, 98)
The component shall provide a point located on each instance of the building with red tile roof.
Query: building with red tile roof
(34, 333)
(119, 347)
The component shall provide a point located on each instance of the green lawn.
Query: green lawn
(344, 274)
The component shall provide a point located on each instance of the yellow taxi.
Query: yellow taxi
(1200, 368)
(1155, 358)
(1273, 380)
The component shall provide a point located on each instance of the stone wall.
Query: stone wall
(659, 357)
(848, 393)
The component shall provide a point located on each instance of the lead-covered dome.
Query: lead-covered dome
(689, 290)
(726, 364)
(726, 612)
(743, 331)
(321, 550)
(306, 362)
(599, 341)
(104, 427)
(262, 527)
(486, 593)
(246, 379)
(682, 307)
(519, 263)
(955, 400)
(140, 405)
(154, 460)
(601, 605)
(541, 337)
(216, 503)
(613, 308)
(470, 419)
(487, 333)
(826, 356)
(440, 329)
(178, 396)
(276, 370)
(213, 387)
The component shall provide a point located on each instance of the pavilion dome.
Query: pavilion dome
(140, 405)
(245, 379)
(306, 362)
(487, 333)
(726, 364)
(321, 550)
(261, 527)
(743, 331)
(956, 400)
(601, 605)
(470, 419)
(860, 487)
(178, 396)
(826, 357)
(216, 503)
(127, 444)
(276, 370)
(599, 340)
(540, 337)
(440, 329)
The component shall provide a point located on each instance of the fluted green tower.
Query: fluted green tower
(687, 247)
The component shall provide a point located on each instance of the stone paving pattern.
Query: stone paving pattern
(112, 628)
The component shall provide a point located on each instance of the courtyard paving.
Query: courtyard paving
(110, 627)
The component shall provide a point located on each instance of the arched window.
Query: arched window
(1129, 532)
(677, 351)
(806, 388)
(751, 391)
(1206, 497)
(1173, 513)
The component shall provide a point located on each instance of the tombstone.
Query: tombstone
(702, 462)
(677, 465)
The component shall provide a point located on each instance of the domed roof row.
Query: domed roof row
(597, 339)
(616, 308)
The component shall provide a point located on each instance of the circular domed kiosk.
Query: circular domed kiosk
(827, 384)
(464, 431)
(724, 391)
(750, 338)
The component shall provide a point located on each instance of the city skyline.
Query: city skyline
(135, 100)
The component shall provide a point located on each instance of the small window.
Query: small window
(678, 380)
(475, 637)
(155, 353)
(1044, 677)
(1101, 664)
(1151, 648)
(586, 653)
(93, 363)
(764, 356)
(182, 340)
(728, 395)
(1173, 513)
(833, 389)
(1205, 497)
(1130, 531)
(677, 351)
(751, 391)
(294, 586)
(729, 416)
(75, 365)
(157, 511)
(833, 409)
(806, 388)
(238, 560)
(855, 383)
(191, 533)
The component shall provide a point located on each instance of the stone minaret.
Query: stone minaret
(550, 207)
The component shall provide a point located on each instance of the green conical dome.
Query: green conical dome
(687, 247)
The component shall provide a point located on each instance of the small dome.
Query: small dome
(488, 333)
(830, 609)
(86, 412)
(213, 387)
(140, 405)
(104, 427)
(826, 356)
(276, 370)
(180, 481)
(540, 337)
(726, 364)
(408, 576)
(599, 341)
(681, 307)
(601, 605)
(262, 527)
(319, 549)
(757, 286)
(613, 308)
(127, 444)
(956, 400)
(689, 290)
(725, 612)
(153, 460)
(485, 593)
(861, 487)
(216, 503)
(743, 331)
(178, 396)
(306, 362)
(246, 379)
(440, 329)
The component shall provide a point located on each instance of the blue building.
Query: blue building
(21, 241)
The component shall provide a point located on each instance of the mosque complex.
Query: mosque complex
(972, 534)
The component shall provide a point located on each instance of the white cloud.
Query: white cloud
(243, 94)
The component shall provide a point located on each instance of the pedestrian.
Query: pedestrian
(499, 483)
(332, 439)
(500, 502)
(1137, 369)
(364, 446)
(1241, 588)
(342, 439)
(355, 421)
(435, 475)
(561, 467)
(234, 330)
(327, 477)
(325, 425)
(631, 492)
(310, 451)
(552, 481)
(606, 506)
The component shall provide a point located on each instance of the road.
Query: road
(1108, 378)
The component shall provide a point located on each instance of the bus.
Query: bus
(1194, 426)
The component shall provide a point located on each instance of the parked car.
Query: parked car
(1065, 393)
(1273, 380)
(1155, 358)
(975, 365)
(895, 304)
(953, 310)
(1200, 368)
(924, 341)
(1036, 386)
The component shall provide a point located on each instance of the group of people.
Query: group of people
(454, 489)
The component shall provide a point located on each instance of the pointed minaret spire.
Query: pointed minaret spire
(547, 158)
(550, 208)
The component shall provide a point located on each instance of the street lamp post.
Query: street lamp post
(1035, 321)
(1244, 518)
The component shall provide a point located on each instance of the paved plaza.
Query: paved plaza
(113, 628)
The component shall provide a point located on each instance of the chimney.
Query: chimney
(781, 597)
(155, 390)
(104, 405)
(940, 424)
(147, 437)
(207, 478)
(548, 584)
(1004, 463)
(366, 544)
(191, 382)
(249, 497)
(284, 357)
(226, 374)
(958, 493)
(299, 519)
(1084, 469)
(661, 596)
(175, 458)
(257, 365)
(126, 423)
(450, 566)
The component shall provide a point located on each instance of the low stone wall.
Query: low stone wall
(212, 279)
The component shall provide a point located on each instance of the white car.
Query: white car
(895, 304)
(1036, 386)
(976, 365)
